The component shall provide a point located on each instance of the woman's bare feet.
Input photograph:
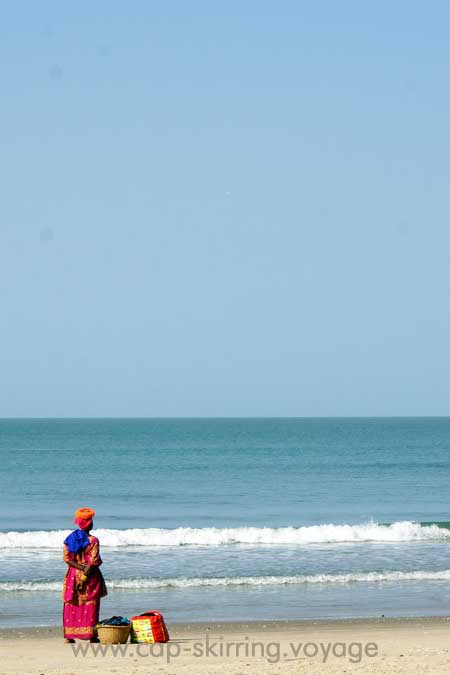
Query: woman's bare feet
(69, 641)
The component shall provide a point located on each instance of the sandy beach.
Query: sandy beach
(402, 646)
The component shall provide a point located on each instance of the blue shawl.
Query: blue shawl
(76, 541)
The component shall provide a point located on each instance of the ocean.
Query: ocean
(226, 519)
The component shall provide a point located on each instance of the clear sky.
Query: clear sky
(224, 208)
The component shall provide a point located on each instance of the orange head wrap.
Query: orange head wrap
(83, 517)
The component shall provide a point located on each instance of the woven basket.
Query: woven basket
(113, 635)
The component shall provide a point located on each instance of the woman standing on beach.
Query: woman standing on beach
(83, 584)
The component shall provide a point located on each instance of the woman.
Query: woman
(83, 584)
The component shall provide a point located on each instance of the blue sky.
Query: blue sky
(224, 209)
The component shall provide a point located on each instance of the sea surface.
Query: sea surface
(220, 519)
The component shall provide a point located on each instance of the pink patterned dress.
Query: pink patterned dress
(82, 599)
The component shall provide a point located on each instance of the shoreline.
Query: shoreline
(41, 632)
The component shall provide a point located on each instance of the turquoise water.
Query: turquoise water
(219, 518)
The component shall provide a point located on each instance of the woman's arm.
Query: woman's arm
(94, 553)
(69, 559)
(78, 566)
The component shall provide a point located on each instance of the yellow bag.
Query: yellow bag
(149, 627)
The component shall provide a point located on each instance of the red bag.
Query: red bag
(149, 627)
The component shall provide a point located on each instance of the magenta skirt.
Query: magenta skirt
(79, 621)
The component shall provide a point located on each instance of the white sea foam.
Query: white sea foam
(186, 582)
(403, 531)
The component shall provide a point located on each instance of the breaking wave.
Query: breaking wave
(402, 531)
(187, 582)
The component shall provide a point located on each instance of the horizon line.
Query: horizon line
(220, 417)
